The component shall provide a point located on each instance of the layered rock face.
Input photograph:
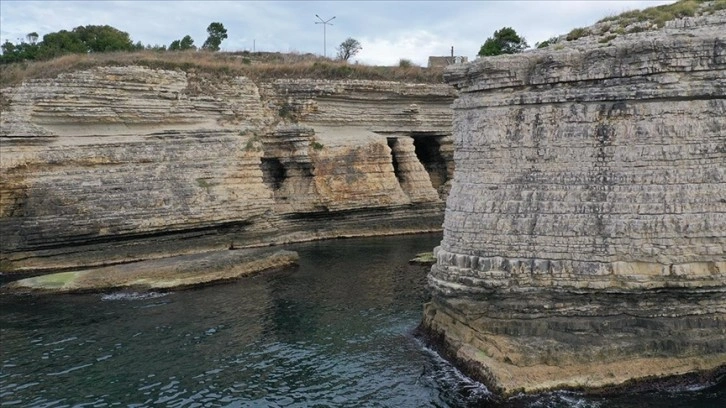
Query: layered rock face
(118, 164)
(585, 232)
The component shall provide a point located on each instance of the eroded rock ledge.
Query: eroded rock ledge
(176, 272)
(585, 232)
(118, 164)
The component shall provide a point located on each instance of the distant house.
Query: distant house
(444, 61)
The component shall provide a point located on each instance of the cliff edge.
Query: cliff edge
(585, 232)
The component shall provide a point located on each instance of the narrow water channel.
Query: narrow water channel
(336, 331)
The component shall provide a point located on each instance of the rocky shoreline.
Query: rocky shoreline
(700, 379)
(178, 272)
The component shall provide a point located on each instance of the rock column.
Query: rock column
(585, 232)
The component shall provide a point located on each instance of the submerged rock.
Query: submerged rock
(176, 272)
(424, 258)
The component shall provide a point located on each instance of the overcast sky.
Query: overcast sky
(387, 30)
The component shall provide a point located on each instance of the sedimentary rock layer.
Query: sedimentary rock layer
(177, 272)
(585, 232)
(116, 164)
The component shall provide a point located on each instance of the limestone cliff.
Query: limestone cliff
(585, 232)
(117, 164)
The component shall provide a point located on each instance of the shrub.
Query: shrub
(577, 33)
(636, 29)
(343, 71)
(659, 15)
(405, 63)
(547, 43)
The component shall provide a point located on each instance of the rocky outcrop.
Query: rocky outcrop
(117, 164)
(176, 272)
(585, 232)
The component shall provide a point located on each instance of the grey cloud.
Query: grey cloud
(431, 26)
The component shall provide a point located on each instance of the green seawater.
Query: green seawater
(336, 331)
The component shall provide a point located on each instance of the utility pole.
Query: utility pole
(324, 23)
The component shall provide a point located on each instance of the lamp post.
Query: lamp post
(324, 23)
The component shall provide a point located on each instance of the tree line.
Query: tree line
(504, 41)
(95, 39)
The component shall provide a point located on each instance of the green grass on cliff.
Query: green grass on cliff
(257, 66)
(657, 16)
(647, 19)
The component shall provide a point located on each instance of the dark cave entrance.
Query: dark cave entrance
(428, 151)
(273, 172)
(394, 160)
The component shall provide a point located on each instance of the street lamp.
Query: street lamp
(324, 23)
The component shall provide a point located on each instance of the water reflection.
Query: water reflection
(336, 331)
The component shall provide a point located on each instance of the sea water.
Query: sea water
(335, 331)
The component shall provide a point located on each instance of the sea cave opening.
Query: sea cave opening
(428, 152)
(273, 172)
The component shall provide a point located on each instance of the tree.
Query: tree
(155, 47)
(504, 41)
(9, 55)
(32, 38)
(217, 33)
(61, 43)
(81, 40)
(20, 52)
(8, 47)
(348, 49)
(186, 43)
(104, 38)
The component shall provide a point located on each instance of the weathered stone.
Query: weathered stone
(176, 272)
(585, 231)
(118, 164)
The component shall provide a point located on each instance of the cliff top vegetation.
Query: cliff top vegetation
(183, 55)
(657, 16)
(634, 21)
(94, 45)
(255, 65)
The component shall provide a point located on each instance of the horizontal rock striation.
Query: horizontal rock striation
(585, 231)
(380, 106)
(117, 164)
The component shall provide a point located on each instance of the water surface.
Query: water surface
(334, 332)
